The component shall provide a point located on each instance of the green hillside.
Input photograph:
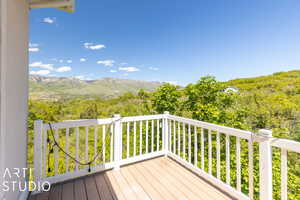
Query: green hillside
(66, 88)
(273, 101)
(286, 82)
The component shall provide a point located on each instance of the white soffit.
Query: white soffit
(66, 5)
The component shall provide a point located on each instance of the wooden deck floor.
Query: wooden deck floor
(156, 179)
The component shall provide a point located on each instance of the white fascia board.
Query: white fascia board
(66, 5)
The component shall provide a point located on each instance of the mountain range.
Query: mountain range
(42, 87)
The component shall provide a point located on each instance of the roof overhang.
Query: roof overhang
(66, 5)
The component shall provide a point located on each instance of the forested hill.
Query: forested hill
(70, 87)
(272, 101)
(287, 82)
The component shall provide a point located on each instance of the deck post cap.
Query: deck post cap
(166, 112)
(117, 115)
(265, 132)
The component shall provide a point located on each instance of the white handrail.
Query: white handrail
(289, 145)
(214, 127)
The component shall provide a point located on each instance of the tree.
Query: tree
(166, 98)
(208, 101)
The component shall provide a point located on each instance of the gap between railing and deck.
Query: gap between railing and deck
(125, 140)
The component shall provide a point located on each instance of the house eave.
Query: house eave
(66, 5)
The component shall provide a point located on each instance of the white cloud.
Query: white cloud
(40, 72)
(69, 61)
(153, 68)
(33, 49)
(129, 69)
(63, 69)
(41, 65)
(82, 59)
(61, 61)
(91, 46)
(108, 63)
(33, 44)
(112, 71)
(49, 20)
(87, 44)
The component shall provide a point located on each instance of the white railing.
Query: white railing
(207, 149)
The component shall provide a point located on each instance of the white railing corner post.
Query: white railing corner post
(38, 150)
(265, 165)
(166, 133)
(117, 141)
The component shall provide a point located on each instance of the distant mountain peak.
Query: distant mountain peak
(45, 87)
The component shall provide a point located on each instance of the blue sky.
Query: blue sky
(166, 40)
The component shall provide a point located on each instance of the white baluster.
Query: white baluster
(209, 153)
(179, 138)
(56, 153)
(77, 147)
(202, 149)
(284, 174)
(141, 136)
(134, 138)
(86, 144)
(195, 147)
(95, 142)
(184, 156)
(103, 143)
(227, 159)
(157, 136)
(152, 135)
(238, 164)
(127, 137)
(174, 136)
(190, 143)
(147, 128)
(67, 149)
(250, 172)
(111, 142)
(218, 156)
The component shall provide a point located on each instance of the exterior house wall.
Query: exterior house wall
(14, 87)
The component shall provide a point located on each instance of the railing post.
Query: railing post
(166, 133)
(117, 141)
(265, 165)
(38, 153)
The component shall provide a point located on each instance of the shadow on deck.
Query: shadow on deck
(156, 179)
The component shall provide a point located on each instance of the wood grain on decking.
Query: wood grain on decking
(155, 179)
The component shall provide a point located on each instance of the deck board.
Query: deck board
(156, 179)
(68, 191)
(156, 183)
(206, 189)
(166, 181)
(91, 188)
(79, 190)
(55, 193)
(145, 183)
(103, 189)
(137, 188)
(176, 179)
